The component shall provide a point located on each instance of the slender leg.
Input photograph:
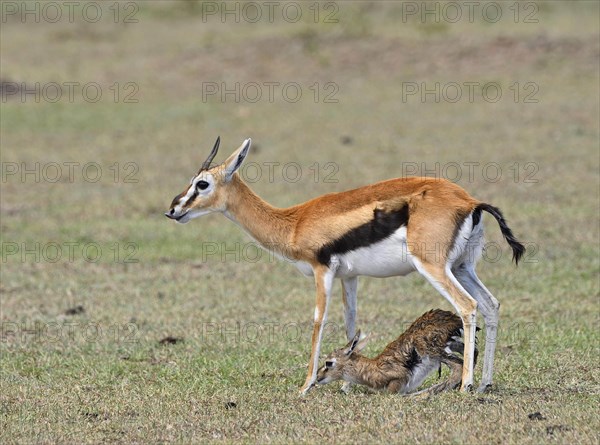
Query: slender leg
(490, 310)
(349, 292)
(323, 281)
(446, 284)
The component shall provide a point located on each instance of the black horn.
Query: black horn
(211, 156)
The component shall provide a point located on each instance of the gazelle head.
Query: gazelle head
(338, 364)
(207, 191)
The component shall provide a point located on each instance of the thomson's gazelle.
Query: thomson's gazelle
(384, 229)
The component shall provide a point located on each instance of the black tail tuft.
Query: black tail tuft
(517, 248)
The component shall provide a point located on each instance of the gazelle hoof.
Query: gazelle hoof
(484, 387)
(466, 388)
(304, 390)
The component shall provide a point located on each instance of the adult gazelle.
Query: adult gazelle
(389, 228)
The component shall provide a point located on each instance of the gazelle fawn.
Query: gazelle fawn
(407, 361)
(390, 228)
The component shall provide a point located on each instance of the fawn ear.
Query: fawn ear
(364, 339)
(350, 347)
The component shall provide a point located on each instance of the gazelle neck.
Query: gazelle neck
(270, 226)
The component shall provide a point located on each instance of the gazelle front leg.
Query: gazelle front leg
(323, 280)
(349, 291)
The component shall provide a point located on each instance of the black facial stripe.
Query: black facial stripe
(176, 200)
(380, 227)
(194, 196)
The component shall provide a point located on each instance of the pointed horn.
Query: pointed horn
(211, 156)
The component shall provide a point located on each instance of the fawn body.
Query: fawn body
(407, 361)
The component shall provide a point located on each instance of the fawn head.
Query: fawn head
(336, 363)
(208, 189)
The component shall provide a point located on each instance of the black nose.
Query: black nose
(169, 214)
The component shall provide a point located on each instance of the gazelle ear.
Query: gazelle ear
(234, 162)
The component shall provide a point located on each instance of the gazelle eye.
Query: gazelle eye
(329, 363)
(202, 185)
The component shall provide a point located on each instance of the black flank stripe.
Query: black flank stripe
(380, 227)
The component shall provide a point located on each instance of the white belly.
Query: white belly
(387, 258)
(304, 267)
(420, 373)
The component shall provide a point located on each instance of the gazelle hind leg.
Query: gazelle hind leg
(445, 283)
(490, 310)
(349, 293)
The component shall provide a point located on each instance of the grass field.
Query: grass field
(119, 325)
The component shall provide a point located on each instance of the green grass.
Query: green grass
(103, 376)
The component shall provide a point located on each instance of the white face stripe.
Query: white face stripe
(192, 192)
